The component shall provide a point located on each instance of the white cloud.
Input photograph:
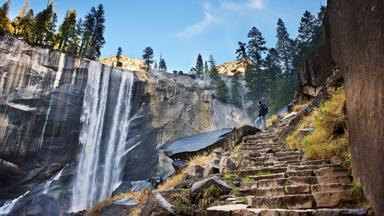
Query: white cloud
(199, 27)
(212, 14)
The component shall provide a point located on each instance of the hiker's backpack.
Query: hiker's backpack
(266, 109)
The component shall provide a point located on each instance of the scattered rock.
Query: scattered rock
(115, 210)
(124, 187)
(336, 160)
(195, 171)
(179, 164)
(225, 210)
(211, 168)
(227, 165)
(200, 186)
(141, 185)
(156, 181)
(158, 206)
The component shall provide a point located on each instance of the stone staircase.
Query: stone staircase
(277, 181)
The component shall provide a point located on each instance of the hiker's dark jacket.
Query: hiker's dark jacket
(262, 110)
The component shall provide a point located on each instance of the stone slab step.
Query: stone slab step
(299, 201)
(315, 162)
(332, 171)
(271, 183)
(276, 191)
(250, 172)
(332, 198)
(242, 210)
(302, 180)
(323, 180)
(266, 177)
(286, 153)
(289, 158)
(300, 173)
(308, 167)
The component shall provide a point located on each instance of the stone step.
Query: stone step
(276, 191)
(308, 167)
(323, 180)
(298, 201)
(250, 172)
(287, 153)
(302, 180)
(272, 183)
(289, 158)
(269, 176)
(315, 162)
(329, 187)
(241, 210)
(332, 171)
(300, 173)
(333, 198)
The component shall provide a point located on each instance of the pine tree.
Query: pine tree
(118, 57)
(88, 28)
(213, 72)
(163, 65)
(67, 30)
(199, 65)
(222, 91)
(22, 27)
(98, 40)
(17, 22)
(307, 30)
(5, 24)
(235, 90)
(256, 46)
(43, 31)
(241, 52)
(74, 42)
(285, 48)
(148, 57)
(273, 71)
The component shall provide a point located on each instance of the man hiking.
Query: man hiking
(263, 111)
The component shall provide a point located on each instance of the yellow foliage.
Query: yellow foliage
(330, 137)
(172, 181)
(200, 160)
(271, 119)
(141, 197)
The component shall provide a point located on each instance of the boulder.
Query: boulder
(158, 206)
(202, 185)
(115, 210)
(42, 205)
(211, 168)
(226, 165)
(141, 185)
(195, 171)
(124, 187)
(179, 164)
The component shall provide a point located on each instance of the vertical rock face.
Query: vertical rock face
(93, 120)
(356, 32)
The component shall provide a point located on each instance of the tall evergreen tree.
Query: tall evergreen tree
(235, 89)
(199, 65)
(5, 24)
(163, 65)
(118, 57)
(88, 27)
(148, 57)
(98, 40)
(241, 52)
(74, 42)
(285, 48)
(307, 30)
(44, 27)
(273, 71)
(222, 91)
(22, 27)
(67, 30)
(256, 46)
(213, 72)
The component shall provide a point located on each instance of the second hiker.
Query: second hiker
(263, 111)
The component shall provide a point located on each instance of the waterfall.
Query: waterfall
(47, 185)
(103, 146)
(8, 206)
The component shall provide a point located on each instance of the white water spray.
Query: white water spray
(101, 160)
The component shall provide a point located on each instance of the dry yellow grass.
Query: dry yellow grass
(330, 137)
(140, 197)
(172, 181)
(271, 119)
(299, 107)
(200, 160)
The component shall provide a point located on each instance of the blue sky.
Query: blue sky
(181, 29)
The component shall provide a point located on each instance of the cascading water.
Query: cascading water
(103, 147)
(8, 206)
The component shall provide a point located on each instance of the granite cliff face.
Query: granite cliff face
(356, 32)
(51, 104)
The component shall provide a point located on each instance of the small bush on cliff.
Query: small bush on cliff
(330, 136)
